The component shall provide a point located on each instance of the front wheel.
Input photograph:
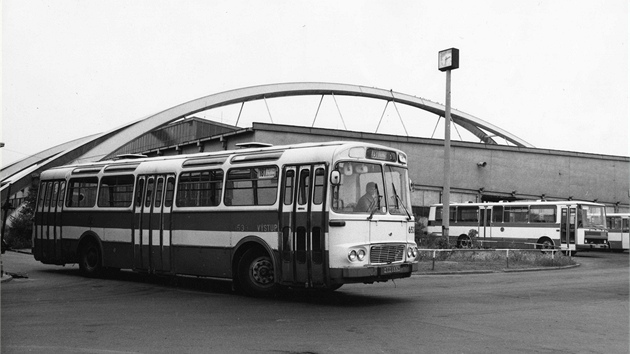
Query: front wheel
(256, 274)
(545, 245)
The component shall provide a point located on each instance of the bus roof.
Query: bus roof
(317, 152)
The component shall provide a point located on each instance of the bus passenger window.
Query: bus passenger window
(139, 191)
(170, 190)
(252, 186)
(288, 187)
(304, 187)
(158, 192)
(196, 189)
(149, 196)
(116, 191)
(82, 192)
(497, 214)
(62, 192)
(318, 193)
(546, 214)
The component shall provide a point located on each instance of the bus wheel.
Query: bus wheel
(90, 260)
(545, 244)
(464, 241)
(255, 273)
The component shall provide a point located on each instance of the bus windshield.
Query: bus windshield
(592, 216)
(365, 188)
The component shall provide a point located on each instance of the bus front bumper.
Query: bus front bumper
(373, 273)
(589, 246)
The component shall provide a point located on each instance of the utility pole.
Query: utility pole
(448, 60)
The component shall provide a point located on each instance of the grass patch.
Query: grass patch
(480, 260)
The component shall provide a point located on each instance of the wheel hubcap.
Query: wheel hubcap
(262, 271)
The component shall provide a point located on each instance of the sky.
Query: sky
(553, 73)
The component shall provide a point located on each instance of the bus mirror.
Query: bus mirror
(335, 178)
(412, 188)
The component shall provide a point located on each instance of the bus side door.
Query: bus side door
(152, 223)
(485, 222)
(303, 225)
(568, 226)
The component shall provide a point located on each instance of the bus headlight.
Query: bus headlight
(352, 256)
(412, 252)
(361, 255)
(357, 254)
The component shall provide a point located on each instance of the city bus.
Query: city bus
(618, 231)
(566, 225)
(265, 218)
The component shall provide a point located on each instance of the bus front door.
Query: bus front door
(568, 227)
(303, 225)
(152, 223)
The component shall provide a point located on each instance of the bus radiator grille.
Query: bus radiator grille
(387, 253)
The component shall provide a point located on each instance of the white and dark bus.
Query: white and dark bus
(566, 225)
(262, 217)
(618, 231)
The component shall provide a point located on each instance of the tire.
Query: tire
(90, 259)
(464, 241)
(545, 244)
(256, 274)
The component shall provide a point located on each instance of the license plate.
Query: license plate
(391, 269)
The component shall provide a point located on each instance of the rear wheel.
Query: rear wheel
(90, 259)
(255, 273)
(464, 241)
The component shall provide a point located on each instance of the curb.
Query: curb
(5, 278)
(506, 270)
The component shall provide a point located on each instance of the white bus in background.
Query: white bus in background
(618, 231)
(264, 218)
(567, 225)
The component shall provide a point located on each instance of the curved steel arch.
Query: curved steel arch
(136, 129)
(101, 145)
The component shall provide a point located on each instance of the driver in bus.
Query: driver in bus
(368, 201)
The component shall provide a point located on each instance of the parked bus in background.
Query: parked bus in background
(567, 225)
(261, 217)
(618, 231)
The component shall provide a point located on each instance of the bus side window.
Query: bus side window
(40, 197)
(546, 214)
(158, 192)
(468, 214)
(170, 189)
(116, 191)
(304, 187)
(318, 193)
(62, 192)
(82, 192)
(139, 191)
(497, 214)
(149, 196)
(288, 187)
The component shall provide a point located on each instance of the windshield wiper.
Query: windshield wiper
(398, 199)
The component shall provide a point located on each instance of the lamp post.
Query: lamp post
(448, 60)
